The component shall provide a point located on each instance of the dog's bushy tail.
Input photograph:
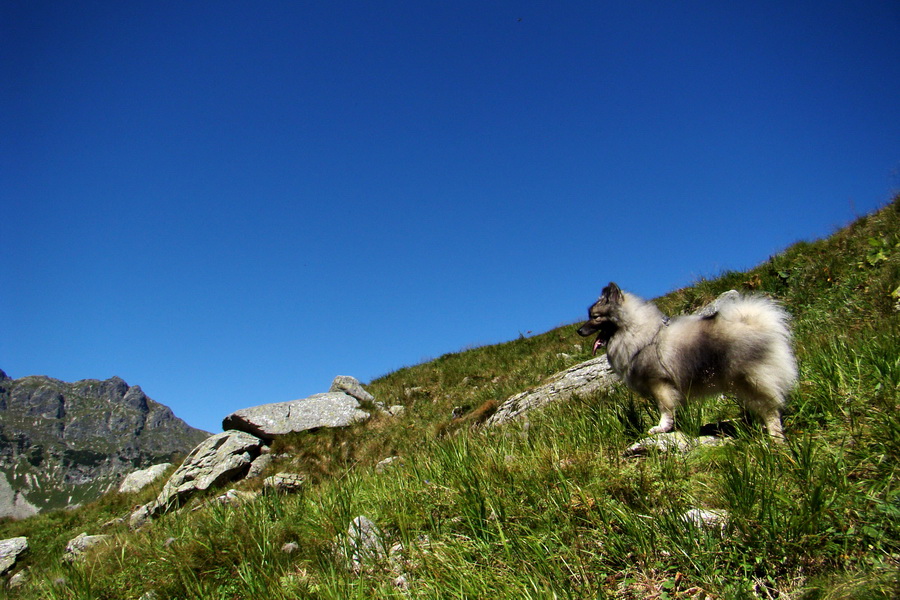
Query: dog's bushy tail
(760, 313)
(768, 319)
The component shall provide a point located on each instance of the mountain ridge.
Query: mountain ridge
(63, 443)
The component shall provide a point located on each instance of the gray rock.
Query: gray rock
(711, 309)
(233, 497)
(76, 548)
(673, 441)
(582, 379)
(138, 480)
(706, 519)
(365, 544)
(18, 580)
(221, 458)
(397, 410)
(10, 550)
(391, 461)
(140, 516)
(332, 409)
(284, 482)
(259, 465)
(352, 387)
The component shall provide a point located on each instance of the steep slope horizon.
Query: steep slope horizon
(67, 443)
(550, 506)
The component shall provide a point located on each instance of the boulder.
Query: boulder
(10, 550)
(138, 480)
(584, 378)
(331, 409)
(351, 387)
(221, 458)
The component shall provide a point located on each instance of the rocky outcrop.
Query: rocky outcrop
(243, 451)
(583, 379)
(219, 459)
(62, 443)
(331, 409)
(10, 550)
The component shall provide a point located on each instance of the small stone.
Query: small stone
(672, 441)
(365, 543)
(706, 519)
(77, 547)
(387, 463)
(284, 482)
(18, 580)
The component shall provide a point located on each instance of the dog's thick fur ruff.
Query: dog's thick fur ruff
(743, 349)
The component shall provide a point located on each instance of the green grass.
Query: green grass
(548, 507)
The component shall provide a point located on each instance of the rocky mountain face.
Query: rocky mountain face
(67, 443)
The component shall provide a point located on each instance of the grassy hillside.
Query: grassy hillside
(549, 508)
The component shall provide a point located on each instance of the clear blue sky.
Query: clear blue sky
(230, 203)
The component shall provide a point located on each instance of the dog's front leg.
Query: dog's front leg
(667, 400)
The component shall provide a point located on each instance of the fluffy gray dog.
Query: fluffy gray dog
(743, 348)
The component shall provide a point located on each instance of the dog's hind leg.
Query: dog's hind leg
(766, 404)
(667, 400)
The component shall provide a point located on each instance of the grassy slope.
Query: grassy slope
(551, 509)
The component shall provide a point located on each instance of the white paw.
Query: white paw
(658, 429)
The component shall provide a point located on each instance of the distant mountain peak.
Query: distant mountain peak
(70, 442)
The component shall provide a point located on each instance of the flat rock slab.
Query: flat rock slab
(331, 409)
(10, 550)
(582, 379)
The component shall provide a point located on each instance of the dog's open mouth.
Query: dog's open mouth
(599, 343)
(606, 330)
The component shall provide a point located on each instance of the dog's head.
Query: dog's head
(603, 316)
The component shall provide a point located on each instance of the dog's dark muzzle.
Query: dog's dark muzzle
(588, 329)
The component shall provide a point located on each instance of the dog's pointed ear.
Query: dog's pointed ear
(612, 293)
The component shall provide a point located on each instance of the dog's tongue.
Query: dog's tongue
(598, 343)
